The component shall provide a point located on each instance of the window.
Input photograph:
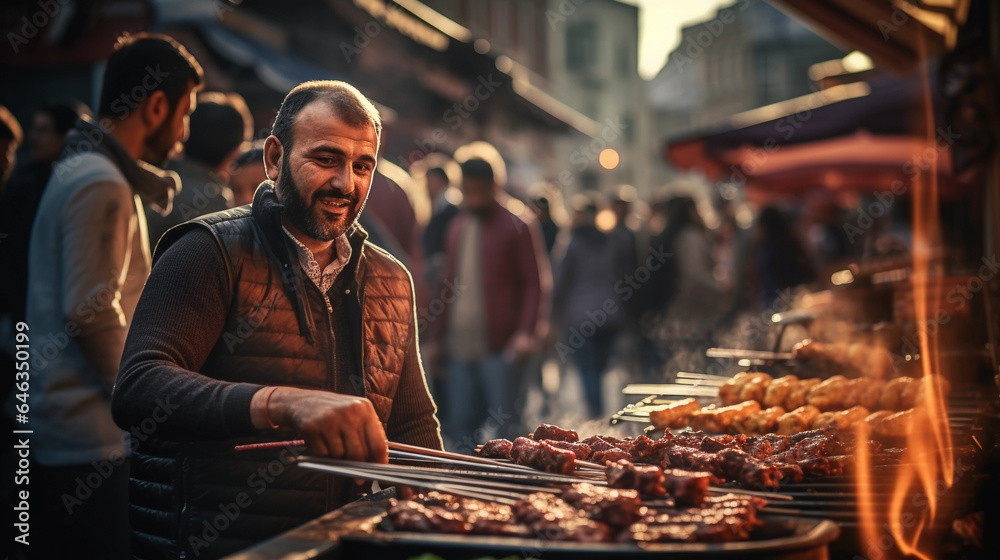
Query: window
(581, 47)
(624, 61)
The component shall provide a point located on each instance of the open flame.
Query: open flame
(927, 462)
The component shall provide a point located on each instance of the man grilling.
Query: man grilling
(272, 322)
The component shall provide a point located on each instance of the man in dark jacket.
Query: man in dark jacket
(497, 260)
(272, 322)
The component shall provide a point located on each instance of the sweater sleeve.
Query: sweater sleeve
(179, 318)
(413, 420)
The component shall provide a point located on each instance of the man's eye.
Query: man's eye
(325, 161)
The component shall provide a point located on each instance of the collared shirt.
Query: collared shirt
(323, 279)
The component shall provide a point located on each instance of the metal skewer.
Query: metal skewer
(380, 470)
(738, 353)
(501, 496)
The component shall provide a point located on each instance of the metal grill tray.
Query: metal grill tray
(779, 537)
(795, 537)
(357, 531)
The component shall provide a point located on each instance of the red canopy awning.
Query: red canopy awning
(860, 162)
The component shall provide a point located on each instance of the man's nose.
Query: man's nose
(342, 179)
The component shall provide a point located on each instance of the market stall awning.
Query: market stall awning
(860, 162)
(897, 34)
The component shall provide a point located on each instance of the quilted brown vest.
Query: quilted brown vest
(202, 500)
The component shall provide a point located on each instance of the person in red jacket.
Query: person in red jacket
(497, 263)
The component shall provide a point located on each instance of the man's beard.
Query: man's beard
(156, 148)
(307, 216)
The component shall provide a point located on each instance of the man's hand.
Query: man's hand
(520, 347)
(333, 425)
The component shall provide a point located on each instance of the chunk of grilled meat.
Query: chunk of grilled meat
(496, 449)
(542, 456)
(618, 508)
(647, 479)
(674, 415)
(548, 431)
(581, 450)
(553, 519)
(720, 519)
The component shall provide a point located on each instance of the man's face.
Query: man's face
(245, 180)
(45, 141)
(326, 175)
(435, 185)
(173, 132)
(477, 193)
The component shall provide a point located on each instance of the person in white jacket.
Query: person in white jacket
(88, 260)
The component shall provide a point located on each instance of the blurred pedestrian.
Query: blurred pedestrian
(221, 127)
(621, 206)
(496, 260)
(20, 198)
(782, 262)
(547, 203)
(683, 303)
(441, 178)
(11, 136)
(587, 312)
(247, 174)
(89, 259)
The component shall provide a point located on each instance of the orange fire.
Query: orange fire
(927, 461)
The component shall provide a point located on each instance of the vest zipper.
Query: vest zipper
(331, 361)
(331, 365)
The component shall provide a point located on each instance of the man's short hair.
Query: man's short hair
(220, 124)
(486, 152)
(440, 173)
(251, 156)
(10, 129)
(349, 104)
(141, 65)
(64, 113)
(478, 169)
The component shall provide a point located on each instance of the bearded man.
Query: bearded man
(273, 322)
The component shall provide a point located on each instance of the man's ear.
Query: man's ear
(273, 152)
(155, 110)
